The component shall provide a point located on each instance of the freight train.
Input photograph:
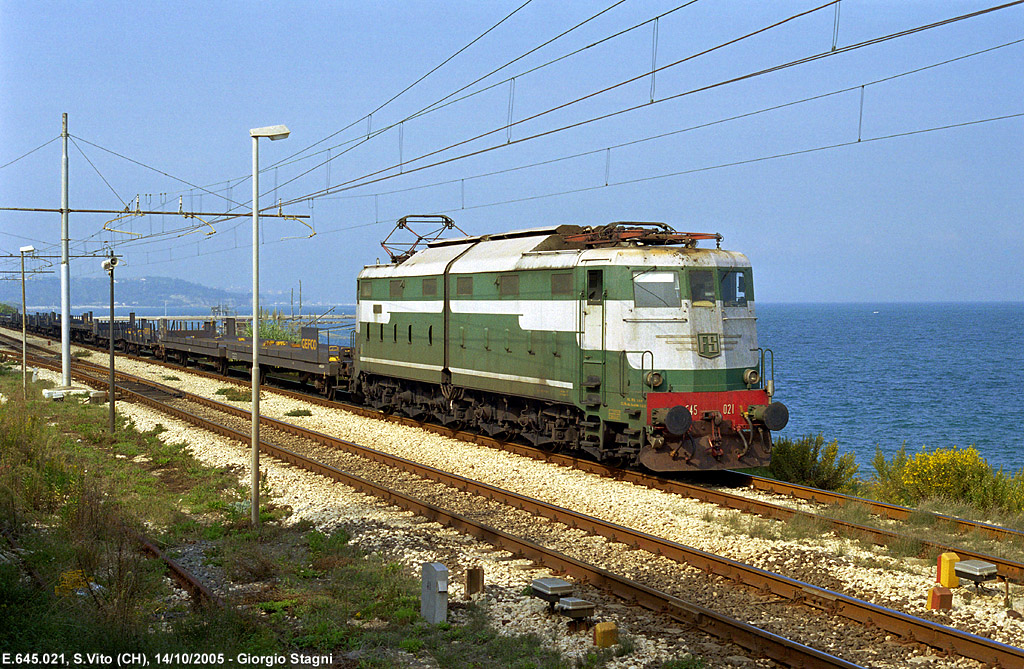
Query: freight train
(627, 343)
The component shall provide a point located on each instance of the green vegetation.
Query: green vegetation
(7, 309)
(950, 481)
(299, 412)
(810, 461)
(71, 495)
(234, 394)
(685, 663)
(273, 328)
(81, 354)
(71, 498)
(951, 474)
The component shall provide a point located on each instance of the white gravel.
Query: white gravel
(828, 561)
(400, 536)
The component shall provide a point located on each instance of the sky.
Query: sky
(874, 189)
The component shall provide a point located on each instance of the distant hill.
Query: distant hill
(151, 291)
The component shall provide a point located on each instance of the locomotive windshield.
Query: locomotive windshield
(702, 288)
(656, 289)
(735, 286)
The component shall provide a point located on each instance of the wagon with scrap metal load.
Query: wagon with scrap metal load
(626, 342)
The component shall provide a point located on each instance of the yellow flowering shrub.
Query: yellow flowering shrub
(944, 472)
(958, 474)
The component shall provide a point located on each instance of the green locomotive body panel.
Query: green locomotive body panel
(604, 330)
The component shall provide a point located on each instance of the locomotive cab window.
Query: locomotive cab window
(735, 288)
(702, 287)
(656, 289)
(365, 289)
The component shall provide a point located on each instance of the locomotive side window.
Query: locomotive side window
(561, 283)
(508, 285)
(365, 289)
(735, 288)
(702, 287)
(656, 289)
(463, 285)
(396, 287)
(595, 286)
(429, 287)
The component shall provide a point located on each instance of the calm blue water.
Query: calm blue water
(881, 375)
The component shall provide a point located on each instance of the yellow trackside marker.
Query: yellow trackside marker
(606, 634)
(946, 576)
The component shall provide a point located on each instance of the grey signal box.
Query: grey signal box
(434, 600)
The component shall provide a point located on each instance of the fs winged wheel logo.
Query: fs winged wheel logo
(709, 345)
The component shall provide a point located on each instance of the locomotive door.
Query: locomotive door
(592, 340)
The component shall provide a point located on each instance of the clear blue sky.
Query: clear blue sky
(177, 86)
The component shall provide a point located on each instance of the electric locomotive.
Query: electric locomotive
(626, 342)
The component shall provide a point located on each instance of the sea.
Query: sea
(880, 376)
(873, 376)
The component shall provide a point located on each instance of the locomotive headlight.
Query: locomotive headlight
(751, 377)
(654, 379)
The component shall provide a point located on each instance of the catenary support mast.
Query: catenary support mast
(65, 266)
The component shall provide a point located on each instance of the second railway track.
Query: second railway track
(905, 626)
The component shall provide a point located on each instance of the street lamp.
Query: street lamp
(108, 266)
(24, 337)
(273, 132)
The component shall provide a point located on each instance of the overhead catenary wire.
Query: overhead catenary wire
(663, 135)
(98, 173)
(369, 178)
(26, 155)
(678, 173)
(447, 100)
(410, 86)
(557, 108)
(157, 170)
(719, 121)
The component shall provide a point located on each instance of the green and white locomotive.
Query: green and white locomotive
(626, 342)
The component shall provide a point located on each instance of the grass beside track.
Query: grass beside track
(70, 494)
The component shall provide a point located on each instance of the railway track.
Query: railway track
(1008, 569)
(756, 640)
(908, 627)
(890, 511)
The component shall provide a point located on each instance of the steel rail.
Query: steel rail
(748, 636)
(891, 511)
(1006, 568)
(896, 622)
(201, 595)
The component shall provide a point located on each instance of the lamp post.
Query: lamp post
(108, 266)
(24, 338)
(273, 132)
